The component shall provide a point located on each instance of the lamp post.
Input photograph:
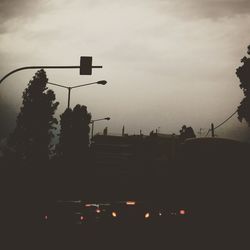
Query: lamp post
(93, 121)
(102, 82)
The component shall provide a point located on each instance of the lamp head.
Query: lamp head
(102, 82)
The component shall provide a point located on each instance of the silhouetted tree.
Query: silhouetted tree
(74, 134)
(31, 139)
(243, 73)
(186, 132)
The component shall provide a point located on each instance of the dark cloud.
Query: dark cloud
(222, 8)
(208, 8)
(21, 10)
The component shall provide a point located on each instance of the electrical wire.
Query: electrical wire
(226, 119)
(208, 132)
(222, 122)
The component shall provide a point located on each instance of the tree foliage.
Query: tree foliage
(31, 139)
(74, 134)
(243, 73)
(186, 132)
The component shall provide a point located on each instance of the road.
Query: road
(121, 237)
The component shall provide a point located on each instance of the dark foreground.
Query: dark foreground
(124, 237)
(209, 179)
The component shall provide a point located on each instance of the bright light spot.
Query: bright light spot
(98, 210)
(182, 212)
(114, 214)
(46, 217)
(160, 214)
(146, 215)
(81, 218)
(131, 203)
(91, 205)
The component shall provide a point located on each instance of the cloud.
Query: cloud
(18, 12)
(206, 8)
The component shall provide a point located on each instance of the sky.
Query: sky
(167, 63)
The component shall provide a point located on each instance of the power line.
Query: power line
(226, 119)
(208, 132)
(222, 122)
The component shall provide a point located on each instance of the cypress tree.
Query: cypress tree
(31, 139)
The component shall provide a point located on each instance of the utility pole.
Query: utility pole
(69, 91)
(212, 129)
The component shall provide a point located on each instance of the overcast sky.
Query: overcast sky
(167, 63)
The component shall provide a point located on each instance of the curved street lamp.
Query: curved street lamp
(93, 121)
(102, 82)
(85, 67)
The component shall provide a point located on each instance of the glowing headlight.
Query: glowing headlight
(114, 214)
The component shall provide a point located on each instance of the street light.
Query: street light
(102, 82)
(93, 121)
